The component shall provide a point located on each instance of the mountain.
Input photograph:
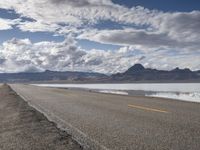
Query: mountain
(135, 69)
(50, 76)
(136, 73)
(139, 73)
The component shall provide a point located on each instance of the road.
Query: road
(24, 128)
(117, 122)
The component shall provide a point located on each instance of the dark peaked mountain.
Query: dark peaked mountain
(139, 73)
(134, 69)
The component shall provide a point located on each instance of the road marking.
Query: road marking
(148, 109)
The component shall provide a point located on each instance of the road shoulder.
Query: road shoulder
(22, 127)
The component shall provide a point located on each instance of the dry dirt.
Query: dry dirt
(24, 128)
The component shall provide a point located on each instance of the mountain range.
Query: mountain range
(139, 73)
(136, 73)
(48, 75)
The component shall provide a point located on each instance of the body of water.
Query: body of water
(180, 91)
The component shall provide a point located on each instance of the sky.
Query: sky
(106, 36)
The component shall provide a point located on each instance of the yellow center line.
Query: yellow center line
(147, 108)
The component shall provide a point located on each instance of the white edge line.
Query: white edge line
(81, 138)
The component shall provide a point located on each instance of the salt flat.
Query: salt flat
(177, 91)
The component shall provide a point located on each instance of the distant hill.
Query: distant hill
(136, 73)
(50, 76)
(139, 73)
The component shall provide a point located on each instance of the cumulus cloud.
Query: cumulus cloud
(180, 26)
(128, 37)
(6, 24)
(142, 39)
(49, 14)
(179, 29)
(83, 3)
(21, 55)
(75, 3)
(167, 30)
(142, 30)
(37, 26)
(76, 12)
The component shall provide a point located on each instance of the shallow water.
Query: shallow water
(181, 91)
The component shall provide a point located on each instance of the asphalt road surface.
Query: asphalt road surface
(24, 128)
(106, 121)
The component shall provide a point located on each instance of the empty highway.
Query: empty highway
(117, 122)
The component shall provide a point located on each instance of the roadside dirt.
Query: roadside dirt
(24, 128)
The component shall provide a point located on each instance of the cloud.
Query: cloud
(180, 26)
(150, 28)
(164, 28)
(37, 26)
(145, 40)
(75, 3)
(167, 30)
(75, 12)
(83, 3)
(129, 37)
(167, 60)
(145, 36)
(6, 24)
(61, 56)
(21, 55)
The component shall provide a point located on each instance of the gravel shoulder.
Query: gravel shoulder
(22, 127)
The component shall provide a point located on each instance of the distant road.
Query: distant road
(106, 121)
